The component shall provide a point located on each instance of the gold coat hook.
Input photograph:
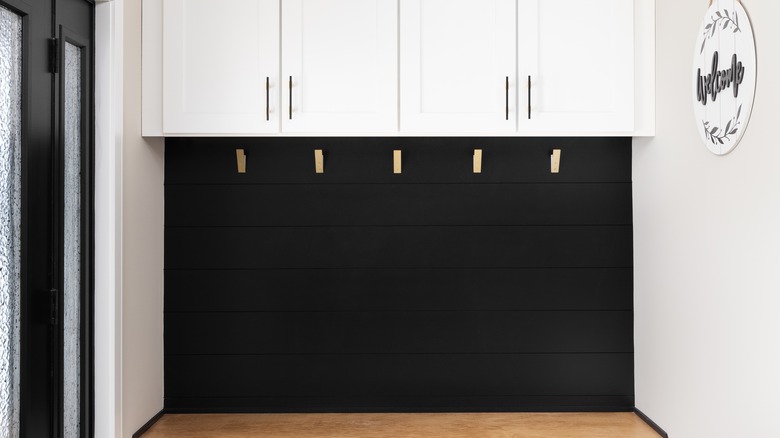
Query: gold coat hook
(319, 161)
(397, 161)
(241, 160)
(477, 160)
(555, 161)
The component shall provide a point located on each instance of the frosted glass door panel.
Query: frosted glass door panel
(342, 58)
(580, 57)
(10, 217)
(456, 59)
(72, 238)
(220, 67)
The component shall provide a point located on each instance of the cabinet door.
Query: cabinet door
(578, 56)
(340, 65)
(458, 71)
(220, 67)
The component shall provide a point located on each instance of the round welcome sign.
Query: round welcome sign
(724, 75)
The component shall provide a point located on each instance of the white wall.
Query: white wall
(707, 249)
(707, 246)
(142, 245)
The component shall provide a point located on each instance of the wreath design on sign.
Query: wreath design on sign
(724, 70)
(717, 135)
(727, 19)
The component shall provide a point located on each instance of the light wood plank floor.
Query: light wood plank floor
(521, 425)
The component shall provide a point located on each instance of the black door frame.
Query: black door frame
(40, 350)
(35, 333)
(64, 35)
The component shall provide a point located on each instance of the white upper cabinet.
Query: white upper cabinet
(340, 66)
(220, 67)
(458, 66)
(579, 56)
(398, 67)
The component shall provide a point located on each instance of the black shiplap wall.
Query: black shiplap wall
(433, 290)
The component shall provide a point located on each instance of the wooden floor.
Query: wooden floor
(521, 425)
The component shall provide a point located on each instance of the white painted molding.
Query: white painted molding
(644, 68)
(151, 69)
(518, 135)
(108, 227)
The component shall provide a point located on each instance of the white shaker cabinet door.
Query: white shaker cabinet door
(576, 65)
(458, 66)
(220, 67)
(340, 66)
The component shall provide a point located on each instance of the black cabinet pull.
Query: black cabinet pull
(267, 98)
(507, 97)
(529, 97)
(290, 97)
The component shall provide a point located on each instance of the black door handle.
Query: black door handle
(507, 97)
(290, 97)
(267, 98)
(529, 97)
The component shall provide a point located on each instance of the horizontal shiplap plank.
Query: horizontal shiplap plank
(372, 403)
(398, 204)
(398, 247)
(360, 290)
(400, 375)
(398, 289)
(398, 332)
(369, 160)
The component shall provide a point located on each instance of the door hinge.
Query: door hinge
(54, 306)
(54, 55)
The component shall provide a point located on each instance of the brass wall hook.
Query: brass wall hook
(241, 160)
(319, 161)
(477, 160)
(555, 161)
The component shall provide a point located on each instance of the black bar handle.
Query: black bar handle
(507, 97)
(290, 97)
(529, 97)
(267, 98)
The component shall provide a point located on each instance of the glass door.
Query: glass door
(26, 134)
(75, 205)
(46, 210)
(10, 218)
(74, 96)
(72, 142)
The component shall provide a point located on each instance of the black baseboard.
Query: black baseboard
(651, 423)
(398, 404)
(145, 428)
